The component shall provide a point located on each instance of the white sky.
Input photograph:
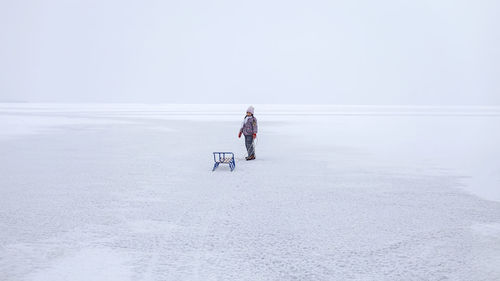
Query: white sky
(194, 51)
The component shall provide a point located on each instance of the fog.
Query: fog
(429, 52)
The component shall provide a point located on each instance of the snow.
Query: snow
(126, 192)
(88, 264)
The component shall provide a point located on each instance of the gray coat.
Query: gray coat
(249, 126)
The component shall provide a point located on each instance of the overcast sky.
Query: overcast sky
(437, 52)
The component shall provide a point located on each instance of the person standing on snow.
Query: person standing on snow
(249, 129)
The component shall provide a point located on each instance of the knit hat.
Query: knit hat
(250, 109)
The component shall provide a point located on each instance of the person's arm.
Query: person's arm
(241, 131)
(255, 127)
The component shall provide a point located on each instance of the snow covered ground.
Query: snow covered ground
(126, 192)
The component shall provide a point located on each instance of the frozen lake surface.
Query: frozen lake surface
(126, 192)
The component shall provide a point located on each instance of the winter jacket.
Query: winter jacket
(249, 126)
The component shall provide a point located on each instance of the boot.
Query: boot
(252, 157)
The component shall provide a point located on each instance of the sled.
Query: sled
(224, 158)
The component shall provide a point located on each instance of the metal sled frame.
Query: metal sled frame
(224, 158)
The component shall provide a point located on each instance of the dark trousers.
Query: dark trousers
(250, 146)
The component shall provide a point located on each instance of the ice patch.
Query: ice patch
(489, 230)
(88, 264)
(489, 234)
(14, 126)
(151, 226)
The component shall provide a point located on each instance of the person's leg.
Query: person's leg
(252, 147)
(249, 145)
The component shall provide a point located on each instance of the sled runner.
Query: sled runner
(224, 158)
